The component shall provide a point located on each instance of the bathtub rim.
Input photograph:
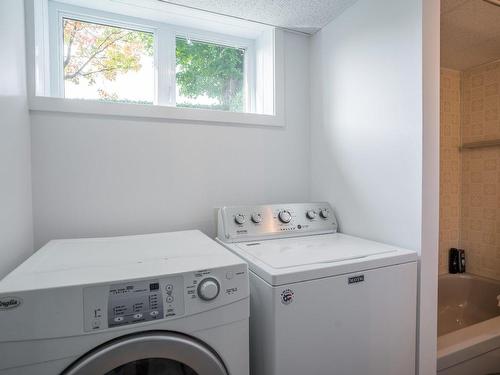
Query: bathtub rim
(469, 342)
(467, 275)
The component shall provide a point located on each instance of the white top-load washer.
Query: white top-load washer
(169, 303)
(322, 302)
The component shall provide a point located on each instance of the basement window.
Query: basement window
(105, 62)
(210, 75)
(178, 62)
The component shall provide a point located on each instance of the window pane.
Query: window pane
(107, 63)
(209, 76)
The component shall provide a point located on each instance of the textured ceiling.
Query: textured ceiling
(470, 33)
(307, 16)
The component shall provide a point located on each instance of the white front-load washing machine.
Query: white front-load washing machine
(169, 303)
(322, 302)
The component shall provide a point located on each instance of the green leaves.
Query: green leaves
(93, 51)
(96, 54)
(213, 70)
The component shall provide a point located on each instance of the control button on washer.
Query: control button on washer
(256, 218)
(169, 287)
(229, 275)
(154, 313)
(137, 316)
(240, 219)
(170, 299)
(311, 214)
(96, 324)
(208, 289)
(118, 319)
(285, 216)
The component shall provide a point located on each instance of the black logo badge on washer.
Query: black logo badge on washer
(287, 296)
(356, 279)
(8, 303)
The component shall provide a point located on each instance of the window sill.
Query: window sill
(92, 107)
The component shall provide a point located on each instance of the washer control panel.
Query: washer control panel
(247, 223)
(147, 300)
(134, 302)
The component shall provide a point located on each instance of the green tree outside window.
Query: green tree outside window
(213, 70)
(96, 53)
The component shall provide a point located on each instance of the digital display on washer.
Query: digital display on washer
(134, 302)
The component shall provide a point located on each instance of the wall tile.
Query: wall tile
(480, 174)
(450, 164)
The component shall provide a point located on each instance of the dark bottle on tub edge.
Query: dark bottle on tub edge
(456, 261)
(453, 260)
(461, 263)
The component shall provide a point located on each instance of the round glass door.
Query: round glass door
(150, 353)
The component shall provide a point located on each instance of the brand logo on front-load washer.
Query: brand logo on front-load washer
(356, 279)
(8, 303)
(287, 296)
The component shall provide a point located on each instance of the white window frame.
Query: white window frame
(268, 106)
(268, 68)
(164, 35)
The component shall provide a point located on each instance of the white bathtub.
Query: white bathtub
(468, 325)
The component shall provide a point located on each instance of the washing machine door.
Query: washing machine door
(155, 353)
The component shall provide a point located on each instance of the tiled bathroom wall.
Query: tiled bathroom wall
(480, 224)
(450, 166)
(470, 179)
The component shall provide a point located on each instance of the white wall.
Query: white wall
(16, 229)
(366, 134)
(430, 187)
(95, 176)
(367, 121)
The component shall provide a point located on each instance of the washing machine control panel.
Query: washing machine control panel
(248, 223)
(131, 302)
(147, 300)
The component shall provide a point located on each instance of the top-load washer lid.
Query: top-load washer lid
(293, 252)
(291, 260)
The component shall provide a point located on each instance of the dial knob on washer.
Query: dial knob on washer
(324, 213)
(240, 219)
(208, 289)
(285, 216)
(311, 214)
(256, 218)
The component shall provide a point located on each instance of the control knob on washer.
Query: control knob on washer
(324, 213)
(311, 214)
(240, 219)
(208, 289)
(256, 218)
(285, 216)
